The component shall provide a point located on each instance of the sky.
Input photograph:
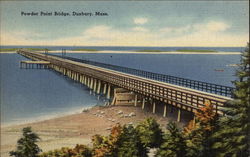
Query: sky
(128, 23)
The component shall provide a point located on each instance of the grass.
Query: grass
(37, 49)
(15, 49)
(84, 50)
(7, 50)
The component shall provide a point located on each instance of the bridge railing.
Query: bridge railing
(199, 85)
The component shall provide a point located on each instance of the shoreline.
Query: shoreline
(52, 115)
(135, 52)
(69, 130)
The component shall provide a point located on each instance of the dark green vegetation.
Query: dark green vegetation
(37, 49)
(15, 49)
(208, 136)
(7, 50)
(84, 50)
(26, 145)
(78, 151)
(232, 138)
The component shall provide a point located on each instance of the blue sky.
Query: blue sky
(129, 23)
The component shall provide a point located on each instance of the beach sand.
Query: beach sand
(67, 131)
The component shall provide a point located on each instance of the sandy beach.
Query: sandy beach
(135, 52)
(67, 131)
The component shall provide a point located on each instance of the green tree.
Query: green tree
(26, 145)
(130, 144)
(174, 143)
(150, 133)
(78, 151)
(232, 137)
(107, 146)
(198, 134)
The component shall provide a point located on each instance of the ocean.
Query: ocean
(133, 48)
(36, 94)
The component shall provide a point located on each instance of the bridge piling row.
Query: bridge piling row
(96, 86)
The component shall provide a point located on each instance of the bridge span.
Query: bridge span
(141, 86)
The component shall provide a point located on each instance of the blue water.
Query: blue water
(199, 67)
(120, 48)
(33, 94)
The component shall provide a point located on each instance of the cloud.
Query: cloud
(140, 29)
(140, 21)
(176, 30)
(213, 26)
(212, 33)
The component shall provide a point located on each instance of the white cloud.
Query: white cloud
(140, 29)
(140, 21)
(211, 33)
(213, 26)
(176, 30)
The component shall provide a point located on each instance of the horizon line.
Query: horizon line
(114, 46)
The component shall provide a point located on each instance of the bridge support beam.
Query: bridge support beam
(85, 80)
(153, 106)
(135, 99)
(77, 77)
(94, 86)
(143, 103)
(82, 77)
(108, 92)
(165, 110)
(104, 88)
(64, 71)
(99, 87)
(179, 115)
(91, 83)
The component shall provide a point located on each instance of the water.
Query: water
(37, 94)
(199, 67)
(120, 48)
(32, 94)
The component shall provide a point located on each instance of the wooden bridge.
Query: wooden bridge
(160, 90)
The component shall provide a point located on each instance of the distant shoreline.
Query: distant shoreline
(136, 52)
(48, 116)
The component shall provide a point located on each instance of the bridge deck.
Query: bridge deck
(194, 84)
(35, 62)
(182, 97)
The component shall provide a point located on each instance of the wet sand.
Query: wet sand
(67, 131)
